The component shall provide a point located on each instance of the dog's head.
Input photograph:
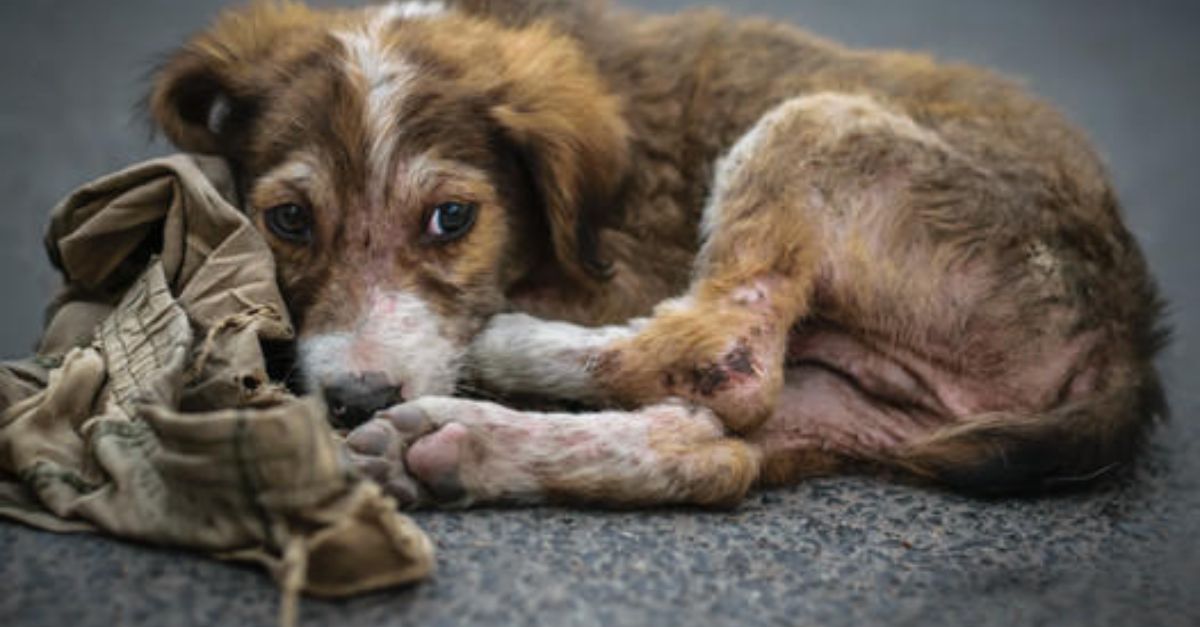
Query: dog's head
(408, 163)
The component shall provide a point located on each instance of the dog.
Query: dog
(738, 255)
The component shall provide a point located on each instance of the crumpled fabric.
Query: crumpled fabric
(148, 411)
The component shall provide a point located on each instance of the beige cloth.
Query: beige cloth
(148, 412)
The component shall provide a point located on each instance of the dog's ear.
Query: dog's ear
(572, 138)
(205, 94)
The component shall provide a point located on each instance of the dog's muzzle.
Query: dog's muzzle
(354, 399)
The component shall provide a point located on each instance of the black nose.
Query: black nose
(353, 400)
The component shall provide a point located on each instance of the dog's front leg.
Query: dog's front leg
(521, 354)
(458, 452)
(722, 343)
(724, 353)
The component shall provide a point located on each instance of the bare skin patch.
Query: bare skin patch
(962, 239)
(457, 452)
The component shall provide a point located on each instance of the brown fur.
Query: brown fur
(917, 265)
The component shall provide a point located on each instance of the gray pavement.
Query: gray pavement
(831, 552)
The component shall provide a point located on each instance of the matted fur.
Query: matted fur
(756, 254)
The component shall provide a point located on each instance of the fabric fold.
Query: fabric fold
(148, 412)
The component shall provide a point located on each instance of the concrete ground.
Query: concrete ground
(830, 552)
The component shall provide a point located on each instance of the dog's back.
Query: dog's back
(881, 258)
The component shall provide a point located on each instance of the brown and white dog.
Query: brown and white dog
(750, 254)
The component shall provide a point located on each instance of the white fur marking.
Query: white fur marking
(384, 79)
(728, 166)
(837, 113)
(298, 168)
(218, 115)
(414, 10)
(398, 336)
(520, 353)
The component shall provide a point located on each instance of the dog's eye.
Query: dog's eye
(450, 221)
(291, 222)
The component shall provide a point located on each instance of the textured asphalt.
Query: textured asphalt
(853, 551)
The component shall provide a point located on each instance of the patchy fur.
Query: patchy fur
(758, 255)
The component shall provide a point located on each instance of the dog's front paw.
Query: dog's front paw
(740, 383)
(414, 458)
(733, 370)
(377, 449)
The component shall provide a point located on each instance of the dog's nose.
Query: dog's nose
(354, 399)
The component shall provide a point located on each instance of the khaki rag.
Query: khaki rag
(148, 412)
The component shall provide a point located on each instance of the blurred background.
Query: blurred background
(830, 552)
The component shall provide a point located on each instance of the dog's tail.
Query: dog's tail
(1072, 444)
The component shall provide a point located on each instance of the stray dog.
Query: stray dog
(749, 254)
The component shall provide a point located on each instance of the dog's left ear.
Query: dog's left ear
(573, 139)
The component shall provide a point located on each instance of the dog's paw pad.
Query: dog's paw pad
(391, 475)
(409, 420)
(376, 449)
(436, 460)
(373, 439)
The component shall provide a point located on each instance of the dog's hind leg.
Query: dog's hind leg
(980, 285)
(458, 452)
(722, 343)
(942, 311)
